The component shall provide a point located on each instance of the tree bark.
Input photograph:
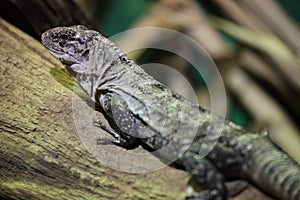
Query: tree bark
(41, 157)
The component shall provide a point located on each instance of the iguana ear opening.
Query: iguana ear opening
(76, 68)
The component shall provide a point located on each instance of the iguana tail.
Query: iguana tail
(272, 170)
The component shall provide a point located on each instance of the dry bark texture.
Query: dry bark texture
(41, 157)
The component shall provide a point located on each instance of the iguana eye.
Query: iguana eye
(64, 36)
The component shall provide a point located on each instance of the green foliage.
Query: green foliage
(119, 15)
(238, 114)
(292, 8)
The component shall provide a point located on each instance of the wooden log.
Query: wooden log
(41, 157)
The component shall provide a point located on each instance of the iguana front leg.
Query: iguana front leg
(120, 139)
(117, 139)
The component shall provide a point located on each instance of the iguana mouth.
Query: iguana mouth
(65, 58)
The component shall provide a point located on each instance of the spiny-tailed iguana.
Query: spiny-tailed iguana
(137, 104)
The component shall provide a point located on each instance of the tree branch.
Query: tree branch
(41, 157)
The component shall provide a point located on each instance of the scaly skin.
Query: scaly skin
(146, 111)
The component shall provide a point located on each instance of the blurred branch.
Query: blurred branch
(263, 16)
(276, 20)
(266, 111)
(240, 15)
(265, 42)
(35, 16)
(257, 66)
(183, 15)
(283, 59)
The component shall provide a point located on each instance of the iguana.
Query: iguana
(137, 105)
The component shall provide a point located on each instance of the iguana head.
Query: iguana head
(86, 53)
(71, 45)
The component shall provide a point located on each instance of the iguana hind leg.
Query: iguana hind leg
(206, 175)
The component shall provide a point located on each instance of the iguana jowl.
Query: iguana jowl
(137, 104)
